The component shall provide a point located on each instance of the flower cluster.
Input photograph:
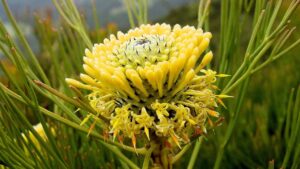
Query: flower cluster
(151, 81)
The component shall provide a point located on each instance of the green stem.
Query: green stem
(181, 153)
(295, 128)
(70, 100)
(117, 152)
(148, 156)
(232, 123)
(195, 153)
(71, 15)
(72, 124)
(248, 72)
(129, 13)
(271, 164)
(275, 57)
(25, 43)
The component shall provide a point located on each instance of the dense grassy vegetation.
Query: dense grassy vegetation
(253, 41)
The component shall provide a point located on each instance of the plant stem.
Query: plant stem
(232, 123)
(70, 100)
(181, 153)
(72, 124)
(250, 68)
(195, 153)
(24, 42)
(148, 156)
(117, 152)
(295, 128)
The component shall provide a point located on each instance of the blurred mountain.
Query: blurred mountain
(107, 10)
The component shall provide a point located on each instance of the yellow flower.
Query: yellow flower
(144, 120)
(41, 132)
(151, 79)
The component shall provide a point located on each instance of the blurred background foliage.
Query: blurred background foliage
(257, 137)
(262, 130)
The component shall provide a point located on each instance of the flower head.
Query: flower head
(151, 81)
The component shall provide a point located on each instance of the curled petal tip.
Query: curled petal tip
(224, 96)
(223, 75)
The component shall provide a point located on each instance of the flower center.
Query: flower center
(142, 51)
(142, 42)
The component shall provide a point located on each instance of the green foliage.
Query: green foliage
(261, 127)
